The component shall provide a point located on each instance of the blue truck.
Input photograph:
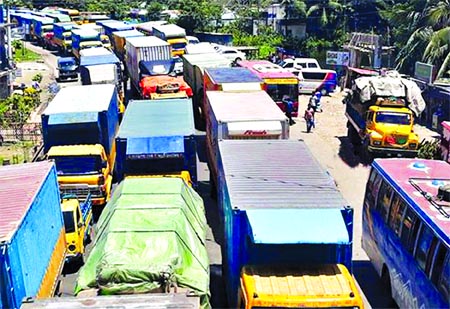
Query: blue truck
(84, 38)
(62, 36)
(157, 137)
(32, 237)
(78, 128)
(103, 68)
(279, 209)
(42, 26)
(116, 26)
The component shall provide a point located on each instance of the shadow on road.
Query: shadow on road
(370, 283)
(347, 153)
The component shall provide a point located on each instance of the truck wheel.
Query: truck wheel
(386, 281)
(367, 156)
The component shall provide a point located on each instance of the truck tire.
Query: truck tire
(366, 155)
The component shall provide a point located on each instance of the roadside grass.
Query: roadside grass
(23, 54)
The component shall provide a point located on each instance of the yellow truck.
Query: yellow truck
(174, 35)
(380, 111)
(79, 126)
(78, 222)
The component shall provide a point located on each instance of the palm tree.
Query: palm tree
(293, 8)
(326, 10)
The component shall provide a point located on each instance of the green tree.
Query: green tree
(197, 15)
(326, 10)
(294, 8)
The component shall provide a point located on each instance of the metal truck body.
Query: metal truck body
(79, 126)
(116, 27)
(101, 66)
(172, 34)
(119, 39)
(84, 38)
(162, 221)
(280, 208)
(32, 238)
(147, 48)
(41, 27)
(63, 36)
(241, 115)
(380, 112)
(193, 70)
(157, 137)
(159, 300)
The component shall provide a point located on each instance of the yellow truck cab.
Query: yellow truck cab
(84, 169)
(105, 41)
(390, 130)
(318, 286)
(78, 222)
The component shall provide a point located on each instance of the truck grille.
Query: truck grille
(399, 140)
(82, 191)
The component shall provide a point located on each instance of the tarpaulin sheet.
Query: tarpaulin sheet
(152, 227)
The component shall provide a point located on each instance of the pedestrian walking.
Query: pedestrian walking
(288, 108)
(309, 118)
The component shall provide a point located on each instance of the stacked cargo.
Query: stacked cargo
(129, 256)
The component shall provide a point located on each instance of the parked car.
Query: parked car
(200, 48)
(192, 39)
(295, 64)
(231, 53)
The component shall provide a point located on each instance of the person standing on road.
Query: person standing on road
(309, 118)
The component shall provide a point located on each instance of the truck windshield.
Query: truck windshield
(77, 165)
(67, 65)
(178, 46)
(69, 222)
(277, 91)
(393, 118)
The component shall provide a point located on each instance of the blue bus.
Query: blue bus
(406, 229)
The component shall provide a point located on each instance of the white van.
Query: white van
(300, 63)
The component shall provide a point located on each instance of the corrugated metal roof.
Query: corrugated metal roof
(146, 41)
(88, 98)
(146, 118)
(233, 75)
(244, 106)
(19, 184)
(276, 174)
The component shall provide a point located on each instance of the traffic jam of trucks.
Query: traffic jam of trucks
(118, 174)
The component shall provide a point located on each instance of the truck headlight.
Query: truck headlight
(412, 145)
(377, 143)
(72, 247)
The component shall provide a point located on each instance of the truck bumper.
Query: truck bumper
(71, 258)
(393, 152)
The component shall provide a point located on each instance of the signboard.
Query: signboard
(338, 58)
(424, 72)
(278, 81)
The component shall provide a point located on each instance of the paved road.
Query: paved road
(330, 146)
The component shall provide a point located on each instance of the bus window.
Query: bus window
(397, 211)
(373, 186)
(409, 230)
(423, 246)
(384, 200)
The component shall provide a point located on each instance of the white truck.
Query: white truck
(174, 35)
(241, 115)
(139, 50)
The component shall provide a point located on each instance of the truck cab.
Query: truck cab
(389, 130)
(83, 170)
(78, 222)
(67, 69)
(334, 287)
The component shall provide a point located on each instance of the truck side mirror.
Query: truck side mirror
(80, 224)
(104, 164)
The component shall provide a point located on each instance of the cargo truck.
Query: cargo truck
(162, 222)
(193, 71)
(100, 66)
(119, 39)
(157, 138)
(149, 63)
(172, 34)
(79, 126)
(84, 38)
(380, 111)
(32, 238)
(158, 81)
(41, 27)
(63, 36)
(285, 225)
(117, 26)
(240, 115)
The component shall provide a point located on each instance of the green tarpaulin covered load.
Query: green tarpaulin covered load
(151, 234)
